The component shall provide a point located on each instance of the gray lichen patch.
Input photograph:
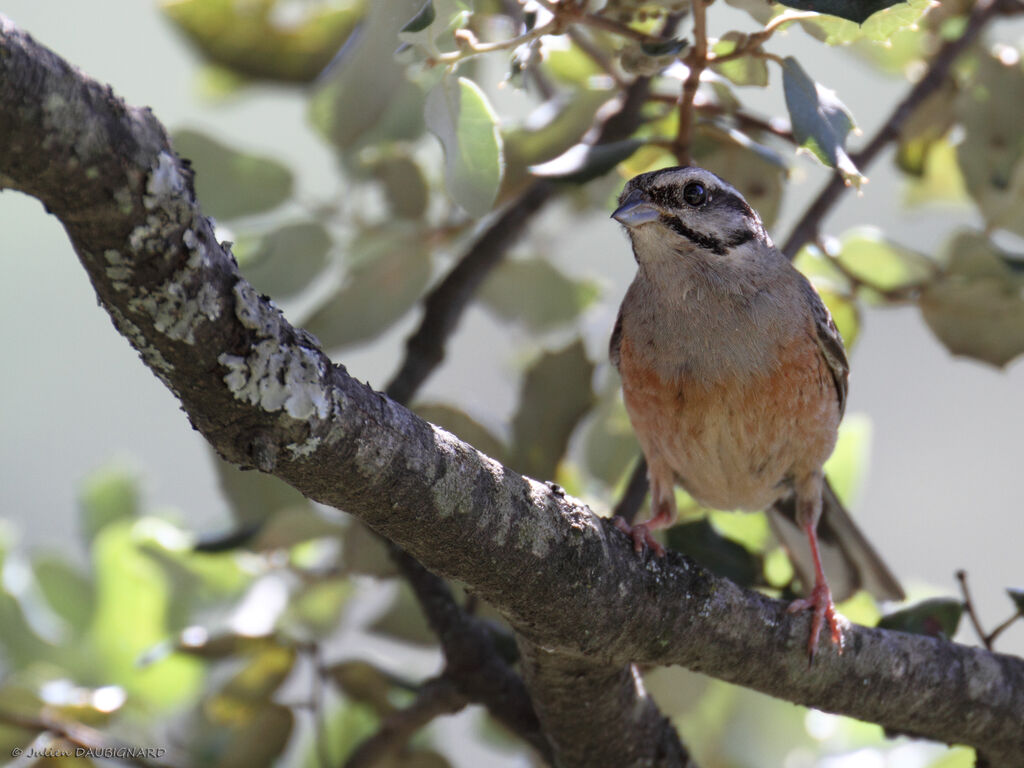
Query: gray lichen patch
(275, 376)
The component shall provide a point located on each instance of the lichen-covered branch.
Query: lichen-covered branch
(264, 395)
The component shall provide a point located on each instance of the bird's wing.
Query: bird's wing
(830, 343)
(616, 340)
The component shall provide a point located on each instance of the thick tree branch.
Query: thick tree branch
(264, 395)
(806, 230)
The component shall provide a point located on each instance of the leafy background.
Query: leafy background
(928, 452)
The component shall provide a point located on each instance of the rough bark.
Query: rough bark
(266, 396)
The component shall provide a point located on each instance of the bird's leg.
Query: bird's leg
(663, 503)
(820, 598)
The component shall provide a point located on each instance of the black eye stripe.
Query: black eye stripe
(708, 242)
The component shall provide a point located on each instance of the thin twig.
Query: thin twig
(756, 39)
(807, 228)
(697, 60)
(437, 697)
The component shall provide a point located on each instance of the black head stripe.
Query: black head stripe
(729, 201)
(708, 242)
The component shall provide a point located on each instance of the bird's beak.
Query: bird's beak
(635, 210)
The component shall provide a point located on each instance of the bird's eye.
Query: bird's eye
(695, 194)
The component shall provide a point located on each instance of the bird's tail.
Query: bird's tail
(851, 563)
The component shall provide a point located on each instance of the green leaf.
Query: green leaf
(286, 260)
(266, 668)
(248, 39)
(886, 20)
(405, 188)
(364, 683)
(991, 110)
(844, 311)
(404, 620)
(718, 554)
(976, 308)
(848, 464)
(584, 162)
(938, 617)
(345, 107)
(463, 426)
(746, 70)
(255, 497)
(392, 271)
(461, 117)
(423, 18)
(109, 494)
(231, 183)
(67, 591)
(855, 10)
(555, 394)
(240, 733)
(1017, 595)
(535, 293)
(882, 264)
(820, 121)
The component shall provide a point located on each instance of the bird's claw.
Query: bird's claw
(820, 601)
(641, 536)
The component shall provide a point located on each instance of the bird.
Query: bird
(735, 380)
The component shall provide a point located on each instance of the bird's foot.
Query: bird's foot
(641, 536)
(820, 601)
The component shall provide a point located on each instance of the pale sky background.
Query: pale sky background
(944, 490)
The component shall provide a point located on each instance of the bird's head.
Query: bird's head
(689, 212)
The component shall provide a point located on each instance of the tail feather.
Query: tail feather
(851, 563)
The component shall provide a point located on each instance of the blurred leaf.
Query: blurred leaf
(196, 641)
(463, 426)
(535, 293)
(365, 553)
(405, 188)
(746, 70)
(956, 757)
(424, 18)
(748, 529)
(318, 607)
(820, 120)
(426, 758)
(293, 526)
(584, 162)
(855, 10)
(1017, 595)
(347, 104)
(937, 617)
(68, 592)
(928, 123)
(699, 540)
(286, 260)
(108, 495)
(550, 130)
(609, 445)
(461, 117)
(847, 466)
(364, 683)
(255, 496)
(555, 395)
(570, 65)
(886, 18)
(132, 601)
(263, 673)
(232, 183)
(991, 109)
(255, 40)
(243, 734)
(882, 264)
(939, 179)
(392, 270)
(404, 620)
(976, 308)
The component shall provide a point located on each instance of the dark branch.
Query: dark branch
(807, 229)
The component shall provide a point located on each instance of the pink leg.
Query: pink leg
(820, 599)
(663, 503)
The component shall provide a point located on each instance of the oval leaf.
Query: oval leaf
(461, 117)
(820, 120)
(232, 183)
(938, 617)
(535, 293)
(285, 261)
(881, 264)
